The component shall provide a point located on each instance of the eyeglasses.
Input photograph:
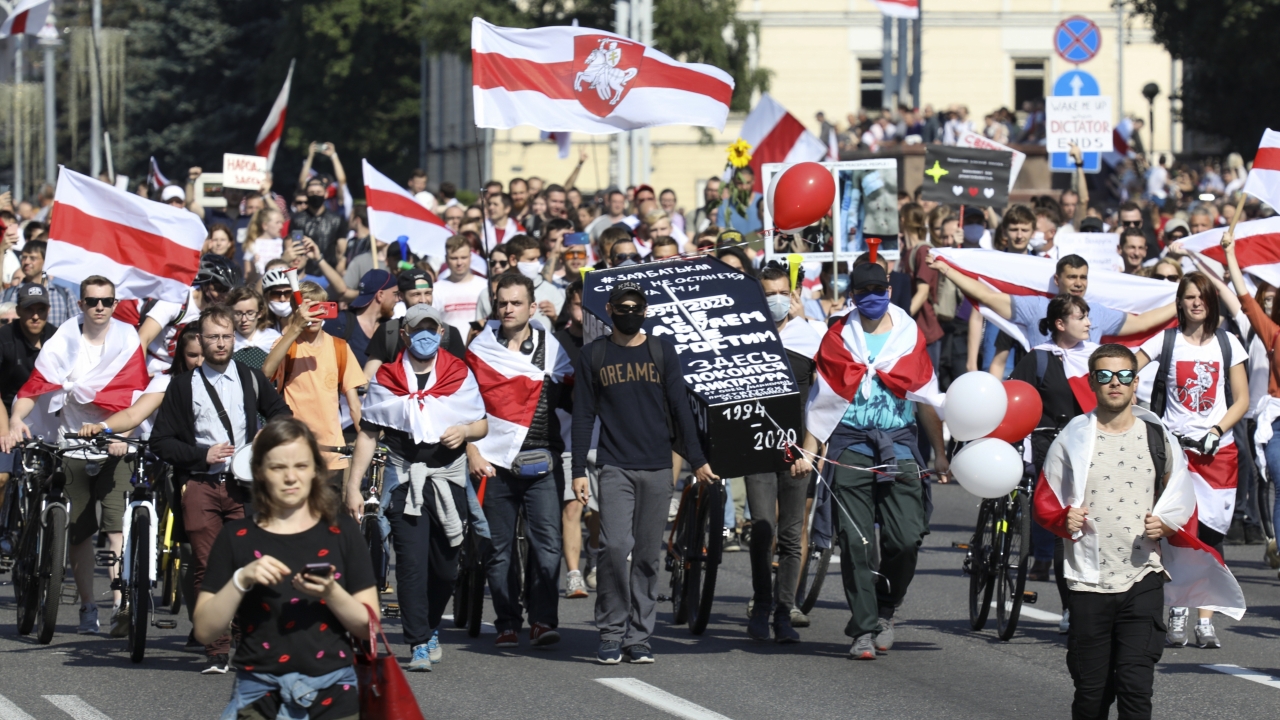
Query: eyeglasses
(1170, 278)
(219, 338)
(1103, 377)
(623, 257)
(108, 302)
(247, 315)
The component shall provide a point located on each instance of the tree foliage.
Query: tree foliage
(1231, 82)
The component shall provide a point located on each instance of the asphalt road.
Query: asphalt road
(938, 669)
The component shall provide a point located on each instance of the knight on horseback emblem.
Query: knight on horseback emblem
(602, 73)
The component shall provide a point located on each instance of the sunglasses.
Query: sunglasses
(1103, 377)
(623, 257)
(1170, 278)
(1131, 223)
(105, 302)
(629, 309)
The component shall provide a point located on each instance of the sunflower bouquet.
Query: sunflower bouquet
(739, 153)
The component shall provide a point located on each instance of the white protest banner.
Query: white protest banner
(1099, 249)
(972, 139)
(1084, 120)
(246, 172)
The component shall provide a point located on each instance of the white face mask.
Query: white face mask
(1037, 241)
(779, 307)
(530, 270)
(281, 308)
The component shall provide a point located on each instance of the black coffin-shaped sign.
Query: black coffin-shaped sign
(966, 176)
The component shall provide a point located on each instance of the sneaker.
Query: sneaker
(863, 648)
(610, 653)
(120, 622)
(1206, 637)
(639, 654)
(758, 622)
(542, 634)
(674, 509)
(883, 636)
(1253, 535)
(1064, 624)
(1177, 636)
(591, 579)
(731, 541)
(421, 661)
(799, 619)
(782, 630)
(192, 644)
(434, 649)
(1235, 533)
(1272, 555)
(507, 639)
(1039, 571)
(574, 587)
(88, 620)
(218, 665)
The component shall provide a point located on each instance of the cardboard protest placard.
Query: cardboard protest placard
(1099, 249)
(966, 176)
(971, 139)
(246, 172)
(1083, 120)
(741, 387)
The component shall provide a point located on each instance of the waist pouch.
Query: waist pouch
(532, 463)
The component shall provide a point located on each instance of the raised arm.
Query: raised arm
(975, 290)
(1227, 295)
(573, 176)
(1233, 264)
(1082, 188)
(1149, 320)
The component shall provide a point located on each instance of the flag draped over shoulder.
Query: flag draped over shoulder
(1075, 364)
(450, 398)
(843, 370)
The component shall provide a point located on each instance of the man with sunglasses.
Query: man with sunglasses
(164, 320)
(624, 253)
(1130, 215)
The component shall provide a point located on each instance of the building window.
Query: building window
(872, 79)
(1028, 81)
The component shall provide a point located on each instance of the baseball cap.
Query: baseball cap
(867, 275)
(32, 294)
(1177, 224)
(422, 312)
(623, 289)
(371, 284)
(172, 191)
(415, 279)
(729, 237)
(1091, 224)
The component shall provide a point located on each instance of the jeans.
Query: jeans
(779, 495)
(1113, 645)
(505, 494)
(633, 515)
(1273, 464)
(426, 565)
(1246, 510)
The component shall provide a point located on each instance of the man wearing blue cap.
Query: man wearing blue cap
(375, 303)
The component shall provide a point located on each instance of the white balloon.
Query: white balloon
(988, 468)
(976, 403)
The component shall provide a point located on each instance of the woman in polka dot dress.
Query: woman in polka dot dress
(296, 627)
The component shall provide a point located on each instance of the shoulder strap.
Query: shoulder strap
(391, 334)
(349, 325)
(597, 357)
(1224, 343)
(1042, 365)
(217, 406)
(340, 354)
(1156, 446)
(1160, 391)
(655, 352)
(286, 367)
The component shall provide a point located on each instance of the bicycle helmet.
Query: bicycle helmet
(274, 277)
(215, 269)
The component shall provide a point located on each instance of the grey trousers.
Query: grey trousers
(633, 515)
(776, 495)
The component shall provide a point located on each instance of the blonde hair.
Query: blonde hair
(312, 291)
(654, 216)
(255, 227)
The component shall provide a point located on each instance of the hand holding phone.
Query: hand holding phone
(317, 570)
(578, 238)
(328, 310)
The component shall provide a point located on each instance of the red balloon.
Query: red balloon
(1023, 413)
(800, 196)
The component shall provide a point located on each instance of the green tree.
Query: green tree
(696, 30)
(1231, 83)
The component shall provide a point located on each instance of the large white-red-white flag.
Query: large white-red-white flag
(844, 370)
(393, 212)
(1264, 177)
(909, 9)
(576, 79)
(269, 136)
(776, 136)
(1257, 245)
(450, 398)
(148, 249)
(511, 385)
(27, 18)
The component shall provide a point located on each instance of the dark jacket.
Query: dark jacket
(173, 438)
(324, 229)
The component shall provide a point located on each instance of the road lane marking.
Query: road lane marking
(9, 711)
(75, 707)
(485, 628)
(1034, 614)
(661, 699)
(1245, 673)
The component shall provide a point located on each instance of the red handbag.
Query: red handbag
(384, 690)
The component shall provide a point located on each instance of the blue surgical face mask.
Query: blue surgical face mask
(872, 305)
(424, 344)
(842, 284)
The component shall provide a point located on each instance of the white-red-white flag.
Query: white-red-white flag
(576, 79)
(148, 249)
(909, 9)
(1257, 246)
(1075, 365)
(273, 128)
(776, 136)
(27, 18)
(843, 370)
(393, 212)
(450, 398)
(1264, 177)
(156, 179)
(511, 385)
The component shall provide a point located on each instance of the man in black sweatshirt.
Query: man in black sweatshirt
(618, 380)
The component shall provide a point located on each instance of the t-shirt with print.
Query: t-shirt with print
(458, 300)
(172, 317)
(1196, 400)
(1029, 310)
(882, 410)
(284, 630)
(1121, 490)
(312, 391)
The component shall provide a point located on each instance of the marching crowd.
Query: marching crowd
(473, 372)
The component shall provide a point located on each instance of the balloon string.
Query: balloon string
(887, 469)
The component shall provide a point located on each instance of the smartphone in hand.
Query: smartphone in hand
(317, 570)
(328, 310)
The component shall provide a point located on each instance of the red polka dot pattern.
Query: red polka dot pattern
(242, 532)
(284, 658)
(335, 530)
(323, 552)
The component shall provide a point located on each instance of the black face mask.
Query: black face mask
(628, 324)
(315, 201)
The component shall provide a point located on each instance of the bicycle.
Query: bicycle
(998, 558)
(694, 550)
(468, 589)
(371, 520)
(41, 558)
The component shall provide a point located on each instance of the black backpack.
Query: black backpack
(1160, 391)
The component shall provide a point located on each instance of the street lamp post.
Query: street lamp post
(50, 40)
(1150, 91)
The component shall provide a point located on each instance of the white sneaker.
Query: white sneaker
(675, 507)
(574, 587)
(1064, 625)
(88, 620)
(591, 579)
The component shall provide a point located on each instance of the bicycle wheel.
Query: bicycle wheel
(678, 550)
(980, 577)
(813, 571)
(26, 573)
(1011, 578)
(53, 564)
(138, 589)
(709, 540)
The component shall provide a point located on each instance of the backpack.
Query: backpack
(595, 362)
(1160, 391)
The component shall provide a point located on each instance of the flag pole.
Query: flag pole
(1231, 231)
(373, 250)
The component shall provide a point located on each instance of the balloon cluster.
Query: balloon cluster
(992, 415)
